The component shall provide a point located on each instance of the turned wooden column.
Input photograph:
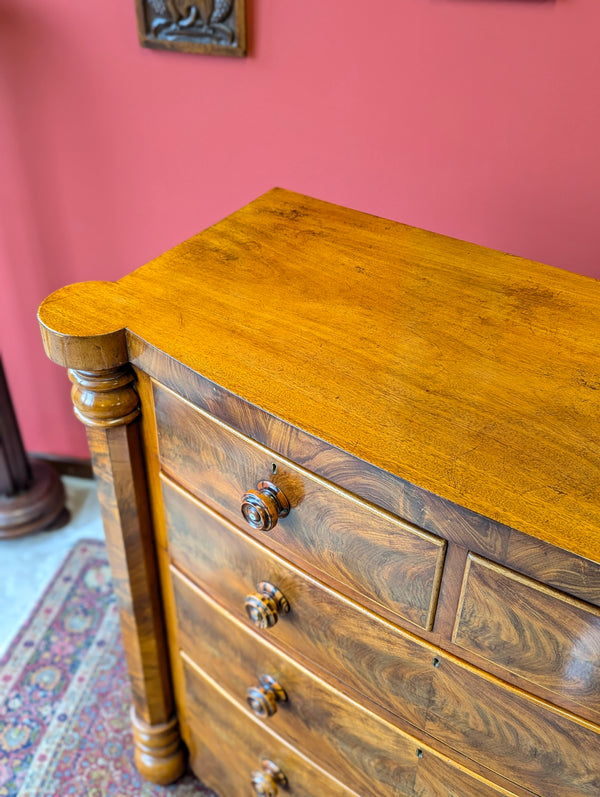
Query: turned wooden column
(107, 403)
(32, 496)
(83, 329)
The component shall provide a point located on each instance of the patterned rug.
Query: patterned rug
(65, 697)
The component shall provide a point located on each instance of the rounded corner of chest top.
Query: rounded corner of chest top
(83, 326)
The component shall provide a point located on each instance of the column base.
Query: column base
(160, 755)
(40, 507)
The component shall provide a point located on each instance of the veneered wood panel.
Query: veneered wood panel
(121, 489)
(322, 627)
(228, 744)
(397, 565)
(541, 634)
(556, 567)
(435, 780)
(525, 740)
(148, 430)
(548, 751)
(350, 742)
(364, 751)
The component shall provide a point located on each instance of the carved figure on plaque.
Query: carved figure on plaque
(199, 25)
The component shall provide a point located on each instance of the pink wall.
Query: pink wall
(475, 118)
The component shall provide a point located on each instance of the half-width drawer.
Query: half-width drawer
(230, 750)
(539, 633)
(367, 753)
(369, 553)
(525, 740)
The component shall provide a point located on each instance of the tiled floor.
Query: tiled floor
(28, 563)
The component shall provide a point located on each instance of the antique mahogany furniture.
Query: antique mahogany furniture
(349, 478)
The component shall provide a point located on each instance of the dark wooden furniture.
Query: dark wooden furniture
(349, 475)
(32, 496)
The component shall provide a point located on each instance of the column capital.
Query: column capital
(105, 398)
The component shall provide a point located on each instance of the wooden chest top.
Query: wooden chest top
(469, 373)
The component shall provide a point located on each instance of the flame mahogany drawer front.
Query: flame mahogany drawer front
(548, 637)
(370, 553)
(238, 756)
(340, 735)
(348, 473)
(326, 630)
(426, 689)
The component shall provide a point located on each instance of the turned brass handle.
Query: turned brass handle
(266, 781)
(263, 507)
(264, 605)
(263, 699)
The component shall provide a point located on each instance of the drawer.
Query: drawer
(525, 740)
(227, 746)
(369, 553)
(539, 633)
(350, 742)
(327, 630)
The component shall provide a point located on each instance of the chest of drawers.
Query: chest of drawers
(349, 473)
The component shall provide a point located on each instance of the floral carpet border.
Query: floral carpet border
(65, 694)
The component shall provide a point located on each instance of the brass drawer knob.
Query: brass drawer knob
(263, 699)
(263, 507)
(264, 605)
(266, 781)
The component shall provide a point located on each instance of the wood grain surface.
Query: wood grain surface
(335, 634)
(228, 744)
(396, 565)
(367, 753)
(467, 372)
(556, 567)
(109, 406)
(523, 739)
(434, 409)
(541, 634)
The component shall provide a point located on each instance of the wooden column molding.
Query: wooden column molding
(157, 749)
(107, 403)
(104, 398)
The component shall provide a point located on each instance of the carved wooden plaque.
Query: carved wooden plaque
(213, 27)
